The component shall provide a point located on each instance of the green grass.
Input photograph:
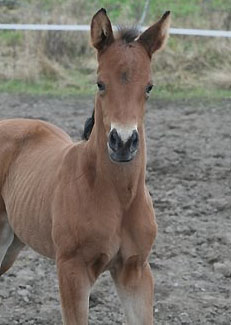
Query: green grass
(47, 87)
(193, 9)
(72, 83)
(191, 67)
(190, 93)
(44, 5)
(11, 38)
(43, 87)
(132, 9)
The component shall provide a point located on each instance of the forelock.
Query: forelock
(127, 35)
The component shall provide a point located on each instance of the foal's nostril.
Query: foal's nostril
(134, 141)
(113, 137)
(114, 140)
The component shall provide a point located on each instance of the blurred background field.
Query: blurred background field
(51, 62)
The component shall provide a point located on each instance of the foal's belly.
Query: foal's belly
(30, 217)
(33, 231)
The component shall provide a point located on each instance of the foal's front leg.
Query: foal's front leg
(135, 288)
(74, 285)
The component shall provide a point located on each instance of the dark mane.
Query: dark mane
(88, 126)
(128, 35)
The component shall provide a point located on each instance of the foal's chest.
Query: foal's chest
(114, 243)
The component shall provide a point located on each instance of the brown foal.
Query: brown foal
(86, 204)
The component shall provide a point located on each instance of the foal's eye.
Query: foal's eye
(101, 86)
(149, 89)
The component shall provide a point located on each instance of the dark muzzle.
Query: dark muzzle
(122, 151)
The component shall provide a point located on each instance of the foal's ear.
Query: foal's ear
(101, 30)
(155, 37)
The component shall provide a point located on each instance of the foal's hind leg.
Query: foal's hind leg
(11, 254)
(6, 236)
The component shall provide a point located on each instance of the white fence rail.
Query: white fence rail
(174, 31)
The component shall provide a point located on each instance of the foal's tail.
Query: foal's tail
(88, 126)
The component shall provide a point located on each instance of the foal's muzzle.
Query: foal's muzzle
(122, 150)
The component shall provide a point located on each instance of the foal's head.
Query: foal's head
(124, 81)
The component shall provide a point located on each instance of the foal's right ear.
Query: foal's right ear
(101, 30)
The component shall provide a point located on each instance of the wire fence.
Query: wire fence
(83, 28)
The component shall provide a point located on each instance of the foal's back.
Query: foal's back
(17, 135)
(19, 130)
(32, 140)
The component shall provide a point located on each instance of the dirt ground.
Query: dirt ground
(189, 177)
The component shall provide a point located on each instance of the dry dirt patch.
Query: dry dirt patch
(189, 177)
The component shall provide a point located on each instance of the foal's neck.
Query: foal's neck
(125, 178)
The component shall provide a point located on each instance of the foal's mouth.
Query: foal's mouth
(121, 157)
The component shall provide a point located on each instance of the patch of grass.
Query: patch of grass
(54, 62)
(11, 38)
(179, 8)
(43, 87)
(217, 4)
(165, 92)
(18, 86)
(44, 5)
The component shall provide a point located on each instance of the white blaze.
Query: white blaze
(124, 131)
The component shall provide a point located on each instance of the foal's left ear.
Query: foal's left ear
(101, 30)
(155, 37)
